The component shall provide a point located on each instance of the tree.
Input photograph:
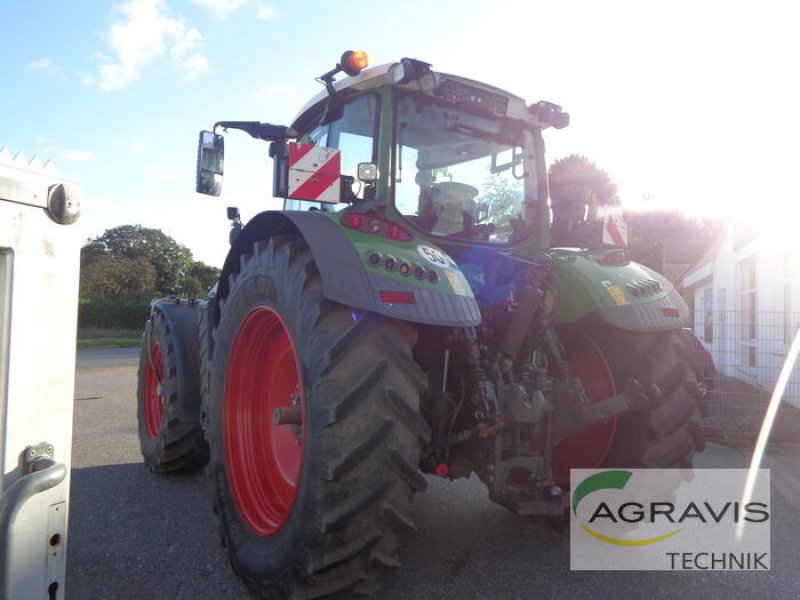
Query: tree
(575, 179)
(504, 198)
(199, 280)
(117, 277)
(191, 287)
(206, 275)
(668, 236)
(172, 261)
(578, 189)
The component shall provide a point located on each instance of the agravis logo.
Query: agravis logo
(668, 519)
(610, 480)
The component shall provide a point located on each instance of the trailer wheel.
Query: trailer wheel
(314, 430)
(170, 436)
(670, 432)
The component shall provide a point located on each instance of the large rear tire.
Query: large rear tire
(316, 505)
(670, 433)
(168, 399)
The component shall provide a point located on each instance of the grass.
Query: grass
(95, 337)
(109, 343)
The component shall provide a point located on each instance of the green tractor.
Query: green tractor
(407, 314)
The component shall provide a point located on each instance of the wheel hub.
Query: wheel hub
(153, 386)
(263, 416)
(588, 447)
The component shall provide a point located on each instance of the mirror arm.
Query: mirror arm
(260, 131)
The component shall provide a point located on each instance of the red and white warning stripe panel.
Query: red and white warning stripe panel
(616, 230)
(314, 173)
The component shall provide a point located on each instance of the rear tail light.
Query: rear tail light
(375, 226)
(615, 258)
(397, 297)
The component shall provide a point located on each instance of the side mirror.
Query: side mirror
(210, 163)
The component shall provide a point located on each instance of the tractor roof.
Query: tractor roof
(375, 77)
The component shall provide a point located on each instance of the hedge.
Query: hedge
(111, 314)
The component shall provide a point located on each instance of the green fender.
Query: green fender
(411, 280)
(626, 295)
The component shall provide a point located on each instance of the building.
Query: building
(745, 293)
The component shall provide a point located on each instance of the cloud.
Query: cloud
(186, 43)
(183, 54)
(138, 146)
(41, 64)
(44, 65)
(163, 173)
(145, 33)
(267, 12)
(221, 8)
(194, 66)
(284, 90)
(70, 154)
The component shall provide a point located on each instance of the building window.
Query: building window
(747, 311)
(708, 315)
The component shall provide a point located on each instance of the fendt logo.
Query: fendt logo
(668, 519)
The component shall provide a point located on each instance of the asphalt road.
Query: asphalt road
(107, 357)
(134, 534)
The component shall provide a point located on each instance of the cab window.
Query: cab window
(354, 132)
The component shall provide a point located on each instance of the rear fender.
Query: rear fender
(628, 296)
(341, 257)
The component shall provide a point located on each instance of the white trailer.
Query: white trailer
(39, 261)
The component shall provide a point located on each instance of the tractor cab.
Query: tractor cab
(451, 159)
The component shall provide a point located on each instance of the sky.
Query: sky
(693, 105)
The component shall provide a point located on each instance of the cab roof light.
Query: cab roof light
(352, 63)
(368, 223)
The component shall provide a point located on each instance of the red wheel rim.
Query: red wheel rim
(263, 459)
(588, 447)
(153, 399)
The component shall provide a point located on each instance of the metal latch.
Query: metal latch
(39, 473)
(37, 458)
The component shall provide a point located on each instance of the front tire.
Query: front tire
(316, 505)
(168, 399)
